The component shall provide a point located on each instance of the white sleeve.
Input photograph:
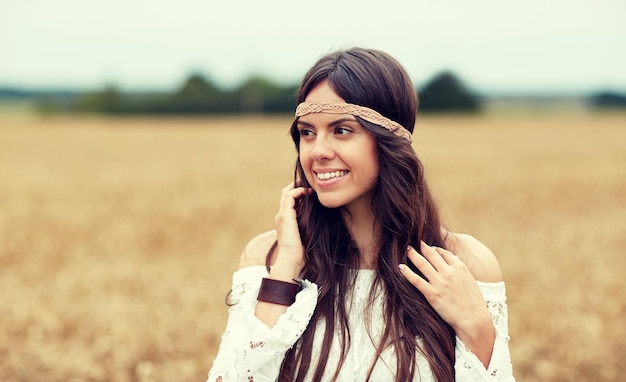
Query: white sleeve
(468, 367)
(250, 350)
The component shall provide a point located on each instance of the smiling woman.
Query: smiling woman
(338, 156)
(384, 292)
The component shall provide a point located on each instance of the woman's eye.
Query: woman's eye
(342, 130)
(306, 132)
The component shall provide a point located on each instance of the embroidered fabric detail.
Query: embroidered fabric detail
(467, 365)
(366, 113)
(249, 349)
(252, 351)
(367, 325)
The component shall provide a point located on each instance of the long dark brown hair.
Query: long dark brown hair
(404, 209)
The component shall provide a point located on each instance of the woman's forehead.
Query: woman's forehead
(323, 93)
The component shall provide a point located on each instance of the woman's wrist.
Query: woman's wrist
(282, 270)
(479, 336)
(278, 292)
(476, 327)
(284, 273)
(285, 270)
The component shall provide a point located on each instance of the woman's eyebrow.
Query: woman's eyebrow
(342, 120)
(332, 124)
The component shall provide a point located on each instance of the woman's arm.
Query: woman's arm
(288, 256)
(467, 366)
(249, 348)
(450, 285)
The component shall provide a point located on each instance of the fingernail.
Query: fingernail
(401, 266)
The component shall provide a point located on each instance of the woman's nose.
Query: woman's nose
(322, 150)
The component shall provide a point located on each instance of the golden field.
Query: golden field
(118, 236)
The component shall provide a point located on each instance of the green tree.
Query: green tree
(446, 93)
(108, 101)
(608, 100)
(198, 95)
(259, 95)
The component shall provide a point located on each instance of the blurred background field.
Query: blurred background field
(119, 235)
(141, 147)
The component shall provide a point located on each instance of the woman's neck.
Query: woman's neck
(365, 232)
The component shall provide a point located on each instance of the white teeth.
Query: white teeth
(329, 175)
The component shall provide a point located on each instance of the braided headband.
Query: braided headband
(358, 111)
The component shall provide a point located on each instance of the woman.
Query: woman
(383, 291)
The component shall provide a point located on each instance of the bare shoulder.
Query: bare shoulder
(257, 249)
(477, 256)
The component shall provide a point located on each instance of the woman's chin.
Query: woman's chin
(330, 202)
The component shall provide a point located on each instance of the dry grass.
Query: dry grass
(118, 237)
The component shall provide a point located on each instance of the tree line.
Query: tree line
(198, 95)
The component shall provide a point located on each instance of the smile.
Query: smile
(330, 175)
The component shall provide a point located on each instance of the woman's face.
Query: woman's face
(339, 157)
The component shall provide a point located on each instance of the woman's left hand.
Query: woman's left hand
(453, 292)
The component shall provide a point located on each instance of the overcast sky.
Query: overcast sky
(493, 45)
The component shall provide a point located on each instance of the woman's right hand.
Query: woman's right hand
(289, 258)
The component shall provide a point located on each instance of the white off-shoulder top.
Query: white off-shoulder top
(251, 351)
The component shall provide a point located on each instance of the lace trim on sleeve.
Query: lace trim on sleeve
(468, 367)
(249, 348)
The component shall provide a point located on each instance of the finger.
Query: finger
(288, 187)
(415, 279)
(421, 263)
(289, 196)
(299, 192)
(449, 257)
(297, 184)
(433, 256)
